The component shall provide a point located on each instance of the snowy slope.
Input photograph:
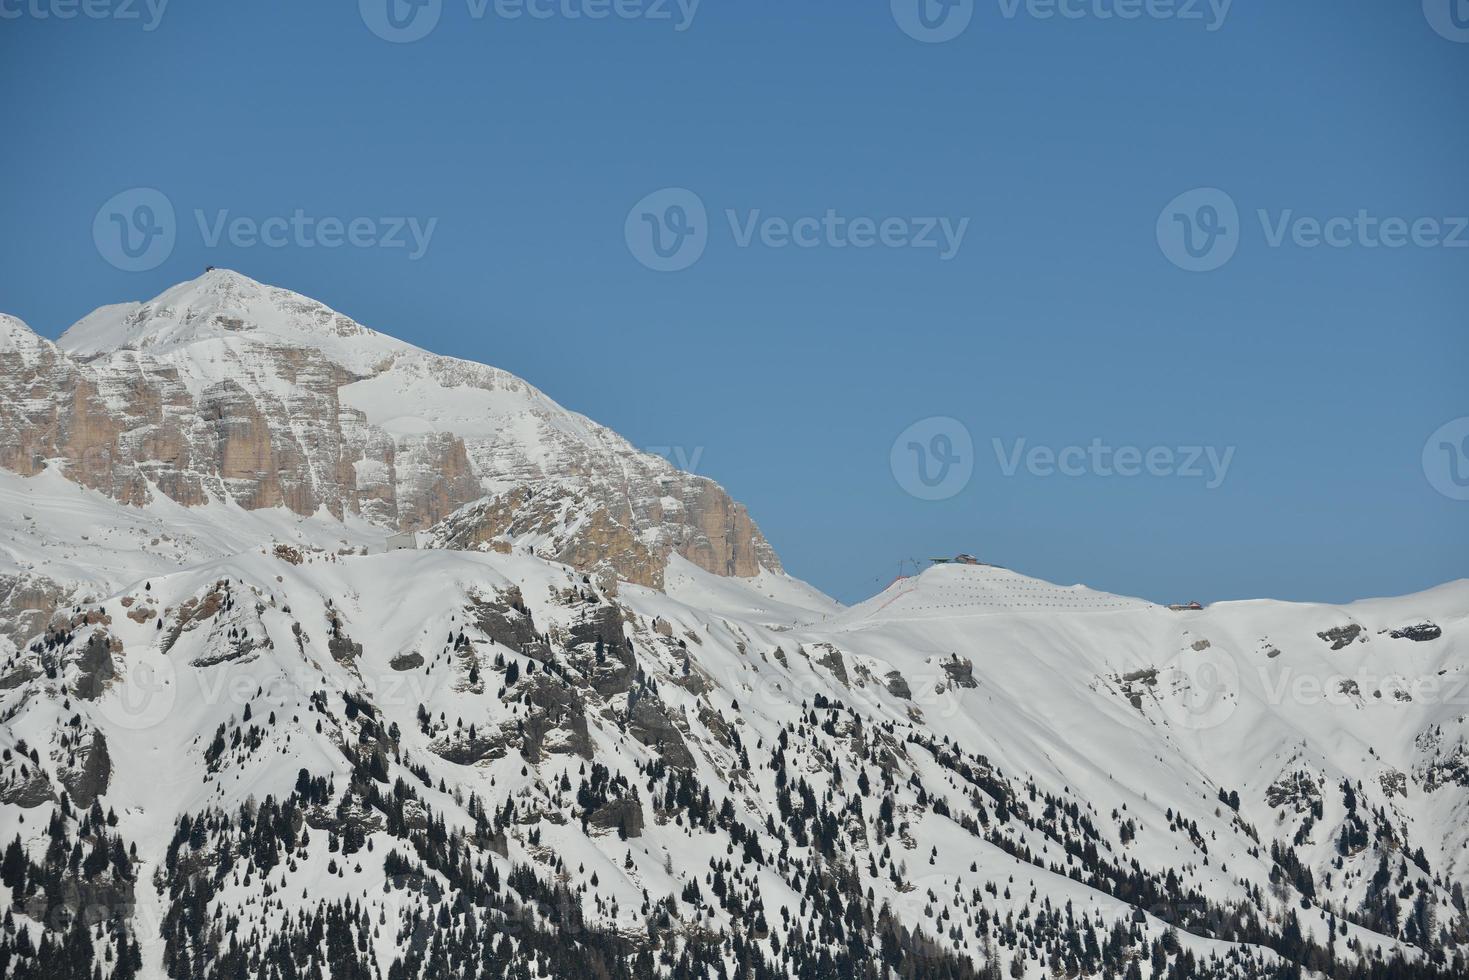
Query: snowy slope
(1044, 728)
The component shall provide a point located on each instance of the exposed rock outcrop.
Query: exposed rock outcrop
(600, 649)
(588, 529)
(94, 667)
(25, 785)
(558, 719)
(506, 620)
(960, 671)
(897, 685)
(830, 657)
(1420, 632)
(1341, 637)
(27, 603)
(1297, 790)
(624, 815)
(648, 722)
(88, 770)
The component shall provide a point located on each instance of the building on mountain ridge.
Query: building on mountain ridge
(959, 559)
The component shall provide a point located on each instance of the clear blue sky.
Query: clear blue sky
(791, 371)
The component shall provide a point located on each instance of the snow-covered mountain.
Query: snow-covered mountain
(225, 389)
(241, 740)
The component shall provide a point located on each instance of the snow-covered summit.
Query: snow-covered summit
(957, 589)
(223, 303)
(226, 389)
(16, 335)
(223, 324)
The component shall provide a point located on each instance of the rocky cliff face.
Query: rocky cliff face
(222, 388)
(598, 531)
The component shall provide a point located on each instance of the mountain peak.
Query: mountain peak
(16, 335)
(956, 589)
(223, 303)
(268, 398)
